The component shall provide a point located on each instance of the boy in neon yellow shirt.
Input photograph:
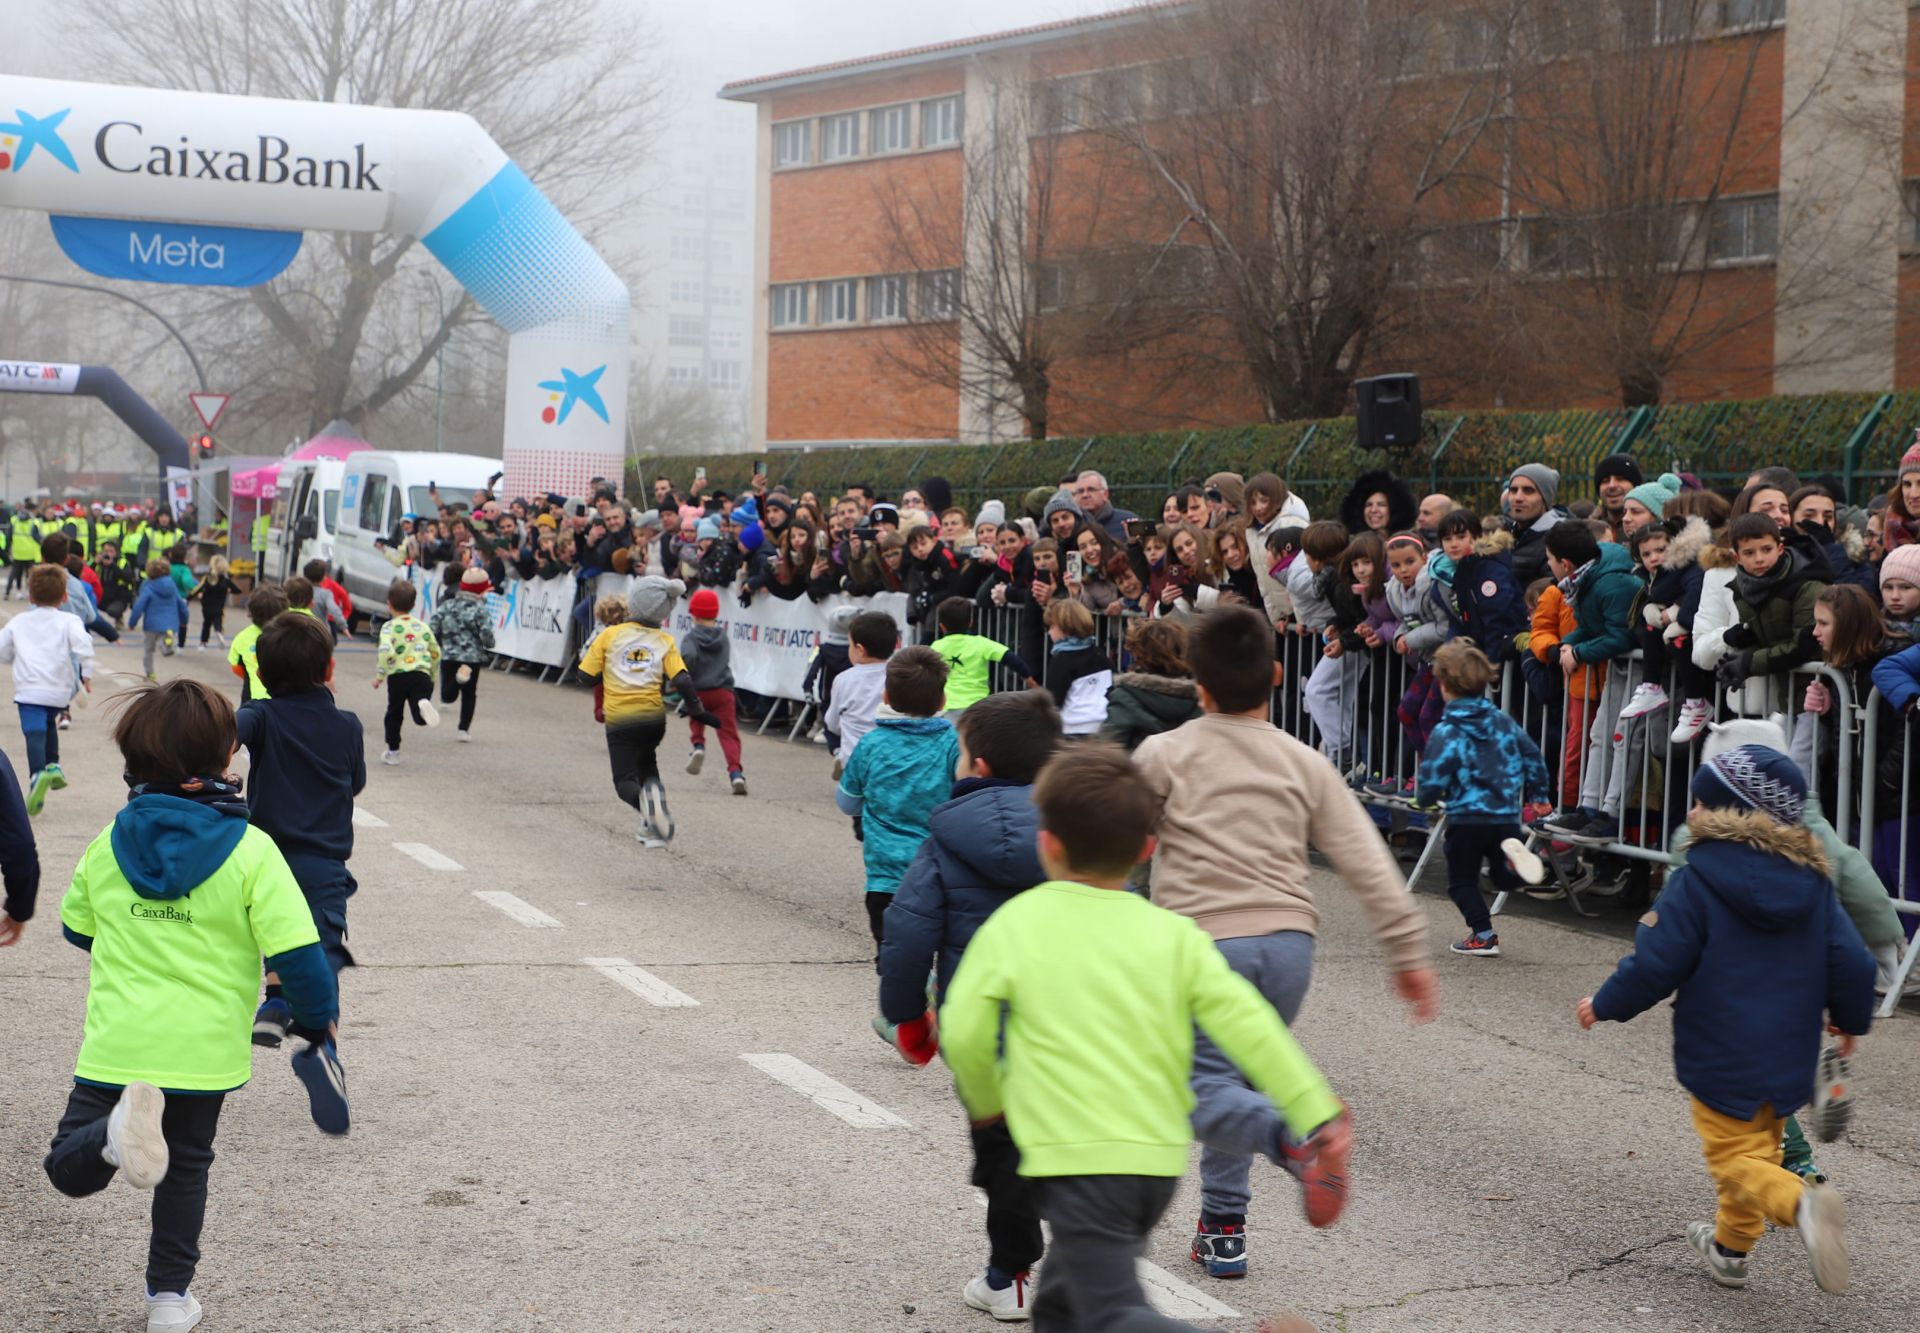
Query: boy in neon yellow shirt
(177, 901)
(969, 657)
(262, 607)
(1101, 991)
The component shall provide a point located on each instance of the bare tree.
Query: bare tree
(563, 85)
(667, 418)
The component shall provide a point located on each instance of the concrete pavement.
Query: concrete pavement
(541, 1141)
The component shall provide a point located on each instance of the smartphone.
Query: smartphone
(1141, 528)
(983, 553)
(700, 476)
(759, 466)
(1073, 566)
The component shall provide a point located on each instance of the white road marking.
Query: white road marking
(519, 909)
(1165, 1292)
(427, 856)
(825, 1092)
(363, 818)
(642, 983)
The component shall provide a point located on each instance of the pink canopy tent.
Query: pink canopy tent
(336, 441)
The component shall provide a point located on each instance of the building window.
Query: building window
(687, 245)
(1476, 41)
(721, 249)
(1740, 230)
(940, 120)
(940, 294)
(685, 331)
(725, 373)
(694, 201)
(886, 299)
(790, 306)
(1559, 246)
(839, 301)
(726, 338)
(791, 143)
(1052, 286)
(1736, 15)
(686, 293)
(840, 137)
(683, 374)
(892, 129)
(1910, 225)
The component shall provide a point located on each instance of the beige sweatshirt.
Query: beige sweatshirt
(1244, 800)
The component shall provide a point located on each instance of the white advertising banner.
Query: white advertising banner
(38, 377)
(529, 615)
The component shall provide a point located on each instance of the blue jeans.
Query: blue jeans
(39, 723)
(1232, 1121)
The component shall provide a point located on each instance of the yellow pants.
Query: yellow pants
(1743, 1157)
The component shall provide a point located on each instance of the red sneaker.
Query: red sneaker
(1320, 1165)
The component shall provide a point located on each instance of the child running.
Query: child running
(855, 703)
(307, 761)
(165, 611)
(708, 660)
(177, 901)
(1484, 768)
(265, 604)
(213, 591)
(1750, 939)
(979, 853)
(408, 655)
(463, 626)
(1243, 802)
(899, 772)
(970, 657)
(51, 654)
(1072, 1016)
(636, 662)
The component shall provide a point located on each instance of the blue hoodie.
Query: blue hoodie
(161, 605)
(899, 772)
(1482, 764)
(1751, 935)
(979, 852)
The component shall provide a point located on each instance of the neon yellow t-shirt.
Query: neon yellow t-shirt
(968, 657)
(173, 983)
(243, 654)
(634, 663)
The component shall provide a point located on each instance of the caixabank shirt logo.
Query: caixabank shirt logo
(27, 138)
(574, 387)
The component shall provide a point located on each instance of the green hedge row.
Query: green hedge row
(1855, 437)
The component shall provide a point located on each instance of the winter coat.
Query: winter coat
(1482, 765)
(705, 650)
(1079, 675)
(1273, 590)
(1686, 551)
(1530, 546)
(1487, 604)
(899, 772)
(1423, 618)
(1777, 610)
(720, 566)
(1244, 584)
(1752, 942)
(1552, 622)
(1141, 704)
(1846, 554)
(464, 626)
(1304, 586)
(1017, 579)
(161, 606)
(1349, 612)
(1714, 614)
(979, 852)
(1603, 603)
(1401, 506)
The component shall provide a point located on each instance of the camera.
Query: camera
(1141, 528)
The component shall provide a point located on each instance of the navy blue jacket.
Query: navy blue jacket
(979, 852)
(308, 763)
(1482, 764)
(1754, 940)
(1487, 604)
(19, 858)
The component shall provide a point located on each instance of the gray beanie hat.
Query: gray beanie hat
(1061, 500)
(994, 512)
(1542, 476)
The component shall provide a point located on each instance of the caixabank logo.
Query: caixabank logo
(28, 137)
(574, 387)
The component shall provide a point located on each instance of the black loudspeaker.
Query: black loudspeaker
(1387, 411)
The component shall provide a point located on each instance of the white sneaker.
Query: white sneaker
(1525, 864)
(648, 836)
(220, 638)
(1694, 716)
(1011, 1304)
(390, 757)
(135, 1142)
(1822, 1221)
(1647, 698)
(169, 1312)
(1726, 1269)
(696, 758)
(463, 735)
(429, 715)
(653, 800)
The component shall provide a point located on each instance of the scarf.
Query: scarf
(1071, 645)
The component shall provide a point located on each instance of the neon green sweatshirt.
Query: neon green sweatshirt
(1102, 990)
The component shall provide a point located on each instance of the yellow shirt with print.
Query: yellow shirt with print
(634, 663)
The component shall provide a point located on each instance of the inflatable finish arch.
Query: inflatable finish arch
(96, 150)
(105, 384)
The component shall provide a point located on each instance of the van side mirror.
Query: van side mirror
(305, 527)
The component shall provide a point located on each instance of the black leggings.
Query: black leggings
(213, 619)
(633, 749)
(179, 1201)
(451, 688)
(405, 689)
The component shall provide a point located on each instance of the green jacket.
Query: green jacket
(1778, 609)
(1603, 607)
(1140, 705)
(1101, 991)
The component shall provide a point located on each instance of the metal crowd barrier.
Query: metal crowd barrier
(1903, 889)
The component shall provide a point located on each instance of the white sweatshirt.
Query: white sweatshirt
(51, 655)
(856, 699)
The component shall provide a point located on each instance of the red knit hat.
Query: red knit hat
(475, 578)
(705, 604)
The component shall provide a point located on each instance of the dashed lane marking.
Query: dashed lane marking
(427, 856)
(642, 983)
(826, 1093)
(518, 908)
(364, 818)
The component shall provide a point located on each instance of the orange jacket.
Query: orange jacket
(1552, 622)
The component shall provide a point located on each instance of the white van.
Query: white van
(306, 515)
(377, 490)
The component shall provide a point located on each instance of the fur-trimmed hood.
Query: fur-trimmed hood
(1715, 556)
(1177, 686)
(1763, 833)
(1689, 545)
(1854, 543)
(1493, 543)
(1402, 508)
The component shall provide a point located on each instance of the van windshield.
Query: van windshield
(420, 501)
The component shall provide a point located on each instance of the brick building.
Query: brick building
(1782, 256)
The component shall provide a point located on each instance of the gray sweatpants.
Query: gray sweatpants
(1100, 1226)
(1232, 1120)
(154, 641)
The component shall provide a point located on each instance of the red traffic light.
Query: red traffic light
(204, 444)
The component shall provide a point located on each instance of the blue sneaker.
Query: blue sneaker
(319, 1068)
(270, 1023)
(1222, 1249)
